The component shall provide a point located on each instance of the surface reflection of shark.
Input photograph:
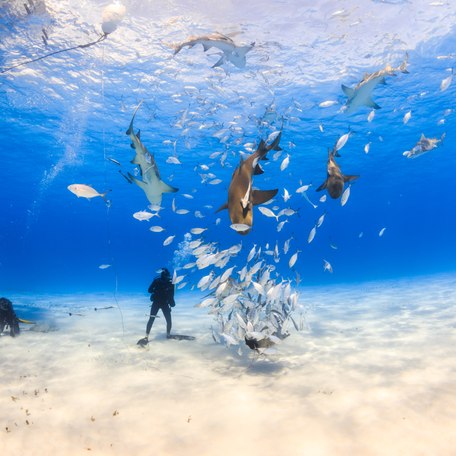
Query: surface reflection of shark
(361, 94)
(150, 182)
(423, 145)
(335, 180)
(230, 51)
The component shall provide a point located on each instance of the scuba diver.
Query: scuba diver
(162, 297)
(8, 317)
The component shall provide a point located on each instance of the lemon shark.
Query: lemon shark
(335, 180)
(150, 182)
(361, 94)
(241, 196)
(423, 145)
(230, 51)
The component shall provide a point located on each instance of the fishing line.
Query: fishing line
(108, 206)
(79, 46)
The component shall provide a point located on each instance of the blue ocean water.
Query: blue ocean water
(65, 115)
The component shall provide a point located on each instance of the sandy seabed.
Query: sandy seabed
(372, 373)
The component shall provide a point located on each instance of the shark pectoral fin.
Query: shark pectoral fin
(220, 62)
(322, 186)
(258, 170)
(165, 188)
(222, 207)
(371, 104)
(350, 178)
(137, 182)
(348, 91)
(261, 196)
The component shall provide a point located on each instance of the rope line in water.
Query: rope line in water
(80, 46)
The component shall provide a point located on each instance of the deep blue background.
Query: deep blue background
(52, 241)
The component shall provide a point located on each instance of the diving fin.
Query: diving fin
(142, 342)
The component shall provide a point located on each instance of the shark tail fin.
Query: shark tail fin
(442, 137)
(168, 188)
(403, 67)
(262, 196)
(130, 128)
(275, 144)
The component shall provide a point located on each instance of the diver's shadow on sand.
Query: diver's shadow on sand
(265, 366)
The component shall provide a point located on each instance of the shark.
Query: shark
(361, 94)
(230, 51)
(241, 196)
(335, 180)
(423, 145)
(150, 181)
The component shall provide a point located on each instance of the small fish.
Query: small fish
(312, 233)
(251, 253)
(327, 103)
(367, 148)
(143, 215)
(407, 117)
(285, 163)
(446, 82)
(182, 211)
(342, 141)
(303, 188)
(85, 191)
(197, 230)
(112, 160)
(281, 225)
(215, 182)
(322, 199)
(345, 196)
(380, 234)
(320, 220)
(240, 227)
(168, 240)
(173, 160)
(293, 260)
(286, 196)
(371, 116)
(104, 266)
(267, 212)
(156, 229)
(327, 266)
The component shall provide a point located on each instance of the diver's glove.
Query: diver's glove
(143, 342)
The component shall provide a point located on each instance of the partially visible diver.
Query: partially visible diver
(162, 297)
(8, 317)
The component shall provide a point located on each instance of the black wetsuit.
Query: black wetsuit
(8, 317)
(162, 297)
